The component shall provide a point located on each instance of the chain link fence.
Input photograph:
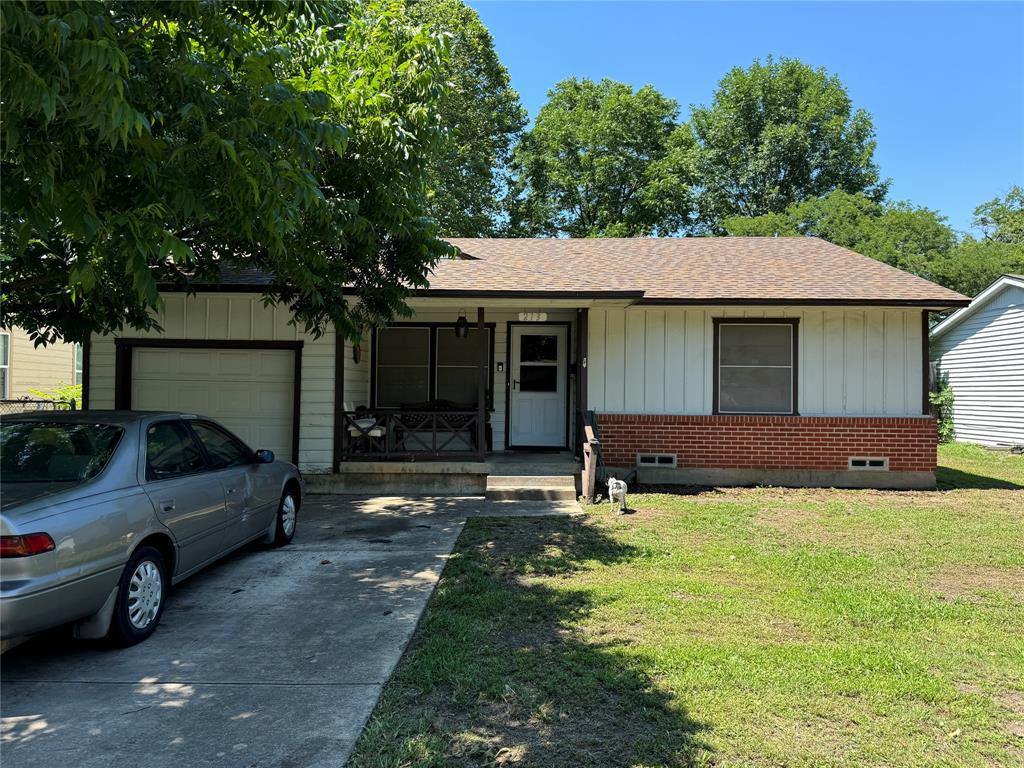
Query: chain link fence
(11, 407)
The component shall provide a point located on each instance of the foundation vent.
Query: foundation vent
(875, 463)
(656, 460)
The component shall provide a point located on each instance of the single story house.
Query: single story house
(24, 367)
(707, 360)
(979, 350)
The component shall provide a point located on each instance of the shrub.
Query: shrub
(942, 405)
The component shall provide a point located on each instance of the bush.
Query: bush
(942, 405)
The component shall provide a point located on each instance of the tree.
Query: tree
(482, 117)
(914, 239)
(149, 142)
(1002, 219)
(779, 133)
(602, 160)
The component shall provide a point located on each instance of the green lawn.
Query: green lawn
(757, 627)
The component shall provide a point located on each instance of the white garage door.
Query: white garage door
(250, 391)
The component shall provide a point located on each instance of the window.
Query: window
(403, 366)
(5, 365)
(458, 365)
(756, 366)
(35, 452)
(538, 363)
(78, 363)
(171, 450)
(223, 450)
(418, 364)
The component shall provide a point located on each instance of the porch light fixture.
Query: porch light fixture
(462, 325)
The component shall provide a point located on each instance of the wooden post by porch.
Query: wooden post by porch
(481, 387)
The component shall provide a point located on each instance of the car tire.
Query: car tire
(287, 518)
(141, 596)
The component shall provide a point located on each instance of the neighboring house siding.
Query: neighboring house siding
(983, 360)
(31, 367)
(852, 362)
(239, 317)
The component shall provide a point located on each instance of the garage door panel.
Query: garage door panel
(249, 391)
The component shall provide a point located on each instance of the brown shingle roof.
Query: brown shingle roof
(685, 270)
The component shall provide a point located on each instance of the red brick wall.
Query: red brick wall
(770, 442)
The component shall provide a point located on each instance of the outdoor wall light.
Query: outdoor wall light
(462, 325)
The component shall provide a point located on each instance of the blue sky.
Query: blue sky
(943, 81)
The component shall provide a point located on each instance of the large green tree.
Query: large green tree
(911, 238)
(482, 118)
(147, 142)
(602, 160)
(778, 133)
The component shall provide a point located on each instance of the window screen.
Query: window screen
(755, 368)
(403, 366)
(458, 365)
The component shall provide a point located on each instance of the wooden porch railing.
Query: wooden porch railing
(383, 434)
(591, 455)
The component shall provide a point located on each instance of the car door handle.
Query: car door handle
(167, 506)
(229, 491)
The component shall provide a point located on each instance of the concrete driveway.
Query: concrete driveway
(269, 658)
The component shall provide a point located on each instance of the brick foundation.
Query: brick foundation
(821, 443)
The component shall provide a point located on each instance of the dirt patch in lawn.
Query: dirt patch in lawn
(971, 582)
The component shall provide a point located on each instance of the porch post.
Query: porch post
(582, 339)
(481, 387)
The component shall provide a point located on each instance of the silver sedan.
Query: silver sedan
(102, 511)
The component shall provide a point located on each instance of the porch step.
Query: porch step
(531, 487)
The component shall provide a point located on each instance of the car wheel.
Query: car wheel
(141, 595)
(287, 518)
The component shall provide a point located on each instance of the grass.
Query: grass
(741, 627)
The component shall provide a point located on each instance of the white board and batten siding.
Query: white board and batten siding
(659, 360)
(982, 358)
(236, 317)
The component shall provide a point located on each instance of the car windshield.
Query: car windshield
(39, 452)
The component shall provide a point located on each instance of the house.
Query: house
(707, 360)
(980, 352)
(25, 367)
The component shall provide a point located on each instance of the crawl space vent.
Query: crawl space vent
(876, 463)
(655, 459)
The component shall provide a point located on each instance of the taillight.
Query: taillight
(23, 546)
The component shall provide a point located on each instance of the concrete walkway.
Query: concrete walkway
(269, 658)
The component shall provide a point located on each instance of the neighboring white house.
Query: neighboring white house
(980, 352)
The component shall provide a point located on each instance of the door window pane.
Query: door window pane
(538, 349)
(755, 373)
(538, 378)
(171, 450)
(222, 449)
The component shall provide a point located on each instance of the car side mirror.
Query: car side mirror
(263, 456)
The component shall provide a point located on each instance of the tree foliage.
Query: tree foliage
(482, 118)
(779, 133)
(914, 239)
(1002, 219)
(602, 160)
(147, 142)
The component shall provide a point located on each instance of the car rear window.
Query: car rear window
(35, 452)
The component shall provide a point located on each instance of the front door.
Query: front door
(538, 386)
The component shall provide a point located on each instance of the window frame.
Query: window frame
(794, 325)
(489, 328)
(5, 390)
(79, 364)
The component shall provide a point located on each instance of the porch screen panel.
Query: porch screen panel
(755, 368)
(403, 366)
(458, 365)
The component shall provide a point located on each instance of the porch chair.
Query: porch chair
(361, 430)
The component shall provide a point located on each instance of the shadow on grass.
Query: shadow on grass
(499, 671)
(948, 479)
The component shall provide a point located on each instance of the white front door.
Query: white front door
(537, 386)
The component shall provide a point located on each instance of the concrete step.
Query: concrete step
(531, 487)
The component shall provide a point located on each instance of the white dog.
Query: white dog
(617, 493)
